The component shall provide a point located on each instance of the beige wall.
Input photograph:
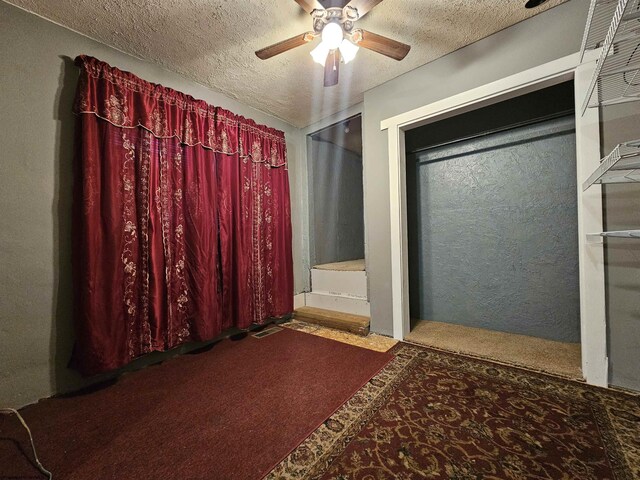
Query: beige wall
(37, 84)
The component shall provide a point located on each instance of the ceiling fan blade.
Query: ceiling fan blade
(380, 44)
(332, 68)
(363, 6)
(309, 5)
(283, 46)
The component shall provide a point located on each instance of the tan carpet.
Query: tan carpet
(535, 353)
(348, 266)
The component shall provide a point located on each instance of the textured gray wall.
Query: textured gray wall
(335, 189)
(37, 82)
(545, 37)
(493, 230)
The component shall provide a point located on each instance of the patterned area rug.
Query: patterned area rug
(435, 415)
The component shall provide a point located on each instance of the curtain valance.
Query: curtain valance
(125, 100)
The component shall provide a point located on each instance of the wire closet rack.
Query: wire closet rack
(614, 26)
(622, 165)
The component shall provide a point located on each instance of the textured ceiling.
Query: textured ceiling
(212, 42)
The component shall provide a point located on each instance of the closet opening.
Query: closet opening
(492, 229)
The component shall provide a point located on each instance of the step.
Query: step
(358, 265)
(357, 324)
(337, 282)
(338, 303)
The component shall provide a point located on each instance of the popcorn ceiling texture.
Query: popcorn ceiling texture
(212, 42)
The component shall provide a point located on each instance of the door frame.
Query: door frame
(590, 219)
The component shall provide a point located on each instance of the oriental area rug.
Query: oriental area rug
(434, 415)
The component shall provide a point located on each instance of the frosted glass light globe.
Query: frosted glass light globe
(348, 50)
(332, 35)
(320, 53)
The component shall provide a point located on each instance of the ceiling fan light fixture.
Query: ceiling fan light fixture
(348, 50)
(332, 35)
(320, 53)
(334, 22)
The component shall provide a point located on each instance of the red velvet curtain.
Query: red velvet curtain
(182, 219)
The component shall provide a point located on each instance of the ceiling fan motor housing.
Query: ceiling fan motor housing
(345, 17)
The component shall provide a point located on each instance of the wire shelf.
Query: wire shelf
(598, 22)
(617, 234)
(622, 165)
(617, 75)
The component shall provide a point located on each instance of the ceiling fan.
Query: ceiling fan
(334, 22)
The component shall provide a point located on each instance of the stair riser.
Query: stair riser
(355, 306)
(346, 284)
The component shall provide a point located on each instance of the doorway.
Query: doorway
(336, 219)
(336, 194)
(593, 327)
(492, 225)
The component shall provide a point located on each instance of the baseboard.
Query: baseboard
(299, 300)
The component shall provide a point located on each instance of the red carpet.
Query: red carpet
(230, 413)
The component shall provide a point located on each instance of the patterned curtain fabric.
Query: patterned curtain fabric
(182, 219)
